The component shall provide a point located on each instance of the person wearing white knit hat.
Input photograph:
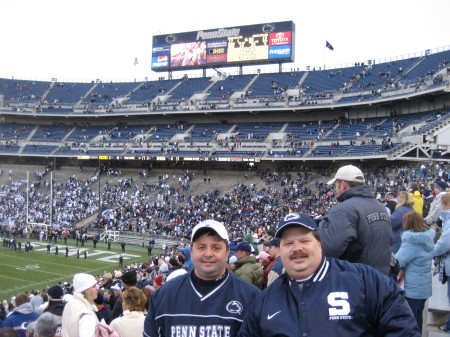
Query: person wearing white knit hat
(79, 317)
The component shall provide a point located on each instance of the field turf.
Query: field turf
(24, 272)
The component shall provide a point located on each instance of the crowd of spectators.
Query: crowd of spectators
(167, 206)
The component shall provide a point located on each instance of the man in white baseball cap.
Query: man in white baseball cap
(358, 229)
(207, 300)
(348, 173)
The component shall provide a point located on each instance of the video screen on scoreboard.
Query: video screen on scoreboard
(254, 44)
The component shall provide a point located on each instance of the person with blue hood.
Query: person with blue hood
(188, 265)
(415, 257)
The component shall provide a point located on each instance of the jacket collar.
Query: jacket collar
(317, 276)
(363, 191)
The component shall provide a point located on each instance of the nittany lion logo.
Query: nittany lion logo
(268, 28)
(292, 216)
(234, 307)
(171, 38)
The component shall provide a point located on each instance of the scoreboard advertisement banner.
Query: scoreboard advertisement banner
(253, 44)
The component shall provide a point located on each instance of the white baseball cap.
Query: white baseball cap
(216, 226)
(232, 259)
(176, 273)
(348, 173)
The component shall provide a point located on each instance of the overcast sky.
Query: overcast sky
(99, 39)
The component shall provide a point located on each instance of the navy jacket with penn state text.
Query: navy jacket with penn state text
(358, 229)
(178, 309)
(340, 299)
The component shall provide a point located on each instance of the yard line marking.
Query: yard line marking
(39, 270)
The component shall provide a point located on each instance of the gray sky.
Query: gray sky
(99, 39)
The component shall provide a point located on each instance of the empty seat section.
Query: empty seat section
(188, 88)
(272, 85)
(67, 93)
(207, 132)
(255, 132)
(150, 90)
(15, 91)
(225, 88)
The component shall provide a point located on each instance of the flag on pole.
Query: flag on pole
(329, 46)
(135, 61)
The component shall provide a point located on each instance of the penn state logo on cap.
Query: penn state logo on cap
(296, 219)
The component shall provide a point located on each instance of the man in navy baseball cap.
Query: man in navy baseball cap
(246, 266)
(325, 296)
(242, 246)
(296, 219)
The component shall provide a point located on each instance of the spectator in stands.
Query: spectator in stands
(358, 229)
(232, 263)
(36, 300)
(263, 259)
(22, 314)
(432, 219)
(391, 203)
(442, 249)
(106, 281)
(321, 296)
(55, 307)
(117, 292)
(188, 262)
(79, 317)
(427, 200)
(45, 326)
(103, 307)
(404, 206)
(417, 196)
(3, 312)
(129, 279)
(415, 256)
(275, 266)
(158, 281)
(246, 266)
(173, 265)
(131, 324)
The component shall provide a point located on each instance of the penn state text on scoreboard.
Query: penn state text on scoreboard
(253, 44)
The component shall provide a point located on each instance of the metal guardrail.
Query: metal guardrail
(137, 238)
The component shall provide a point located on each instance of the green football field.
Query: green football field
(20, 271)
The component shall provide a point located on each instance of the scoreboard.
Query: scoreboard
(253, 44)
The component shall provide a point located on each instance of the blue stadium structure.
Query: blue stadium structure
(395, 110)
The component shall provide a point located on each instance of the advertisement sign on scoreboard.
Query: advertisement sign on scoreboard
(253, 44)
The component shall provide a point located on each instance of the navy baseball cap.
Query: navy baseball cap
(272, 242)
(244, 246)
(442, 185)
(296, 219)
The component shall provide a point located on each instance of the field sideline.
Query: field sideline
(23, 272)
